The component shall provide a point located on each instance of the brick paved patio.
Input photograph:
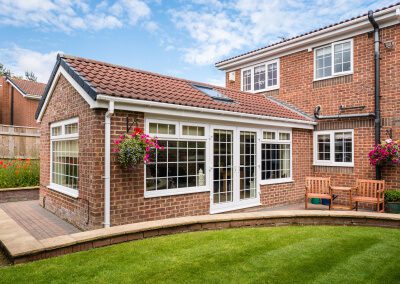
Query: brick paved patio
(36, 220)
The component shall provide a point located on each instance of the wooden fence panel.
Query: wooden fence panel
(18, 141)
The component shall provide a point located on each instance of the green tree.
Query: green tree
(29, 75)
(4, 71)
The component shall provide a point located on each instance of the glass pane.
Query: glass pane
(171, 129)
(259, 77)
(248, 160)
(56, 131)
(153, 128)
(343, 147)
(65, 163)
(269, 135)
(185, 130)
(177, 166)
(223, 171)
(275, 161)
(71, 128)
(284, 136)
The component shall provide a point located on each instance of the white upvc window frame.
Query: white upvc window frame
(332, 162)
(180, 137)
(332, 46)
(251, 69)
(276, 140)
(74, 136)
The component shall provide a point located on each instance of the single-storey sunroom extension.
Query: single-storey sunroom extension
(224, 150)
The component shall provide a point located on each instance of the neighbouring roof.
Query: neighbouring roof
(305, 34)
(29, 88)
(100, 78)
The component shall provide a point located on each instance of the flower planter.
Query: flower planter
(392, 207)
(325, 202)
(315, 200)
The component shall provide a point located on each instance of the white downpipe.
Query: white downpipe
(107, 161)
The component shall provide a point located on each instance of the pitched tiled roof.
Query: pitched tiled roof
(118, 81)
(29, 87)
(307, 33)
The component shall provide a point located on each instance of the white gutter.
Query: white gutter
(359, 25)
(107, 160)
(202, 110)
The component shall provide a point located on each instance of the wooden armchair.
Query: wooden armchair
(317, 187)
(370, 191)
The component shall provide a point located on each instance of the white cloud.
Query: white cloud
(151, 26)
(217, 29)
(69, 15)
(217, 81)
(19, 60)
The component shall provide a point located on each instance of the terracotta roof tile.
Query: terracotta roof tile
(29, 87)
(119, 81)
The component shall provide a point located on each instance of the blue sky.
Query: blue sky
(178, 38)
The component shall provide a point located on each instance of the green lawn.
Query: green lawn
(258, 255)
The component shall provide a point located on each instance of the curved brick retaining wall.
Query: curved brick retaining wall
(34, 249)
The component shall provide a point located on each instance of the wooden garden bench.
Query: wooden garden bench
(317, 187)
(370, 191)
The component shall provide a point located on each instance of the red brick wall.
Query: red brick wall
(24, 109)
(297, 88)
(288, 193)
(127, 202)
(90, 181)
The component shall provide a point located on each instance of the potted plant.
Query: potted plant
(386, 153)
(392, 201)
(135, 149)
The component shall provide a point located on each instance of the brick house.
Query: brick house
(329, 74)
(205, 129)
(249, 144)
(19, 100)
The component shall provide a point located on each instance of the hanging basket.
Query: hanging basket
(386, 153)
(133, 150)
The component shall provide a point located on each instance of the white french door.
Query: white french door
(235, 168)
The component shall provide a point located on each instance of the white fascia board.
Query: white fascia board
(28, 96)
(16, 87)
(79, 89)
(349, 29)
(200, 113)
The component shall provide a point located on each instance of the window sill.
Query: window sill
(277, 181)
(351, 165)
(265, 90)
(333, 76)
(180, 191)
(64, 190)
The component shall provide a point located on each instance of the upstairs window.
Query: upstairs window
(261, 77)
(246, 80)
(334, 60)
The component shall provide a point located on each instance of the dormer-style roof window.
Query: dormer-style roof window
(212, 93)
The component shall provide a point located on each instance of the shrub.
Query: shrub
(392, 195)
(19, 173)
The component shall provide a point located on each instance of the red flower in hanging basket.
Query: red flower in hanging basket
(135, 148)
(388, 152)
